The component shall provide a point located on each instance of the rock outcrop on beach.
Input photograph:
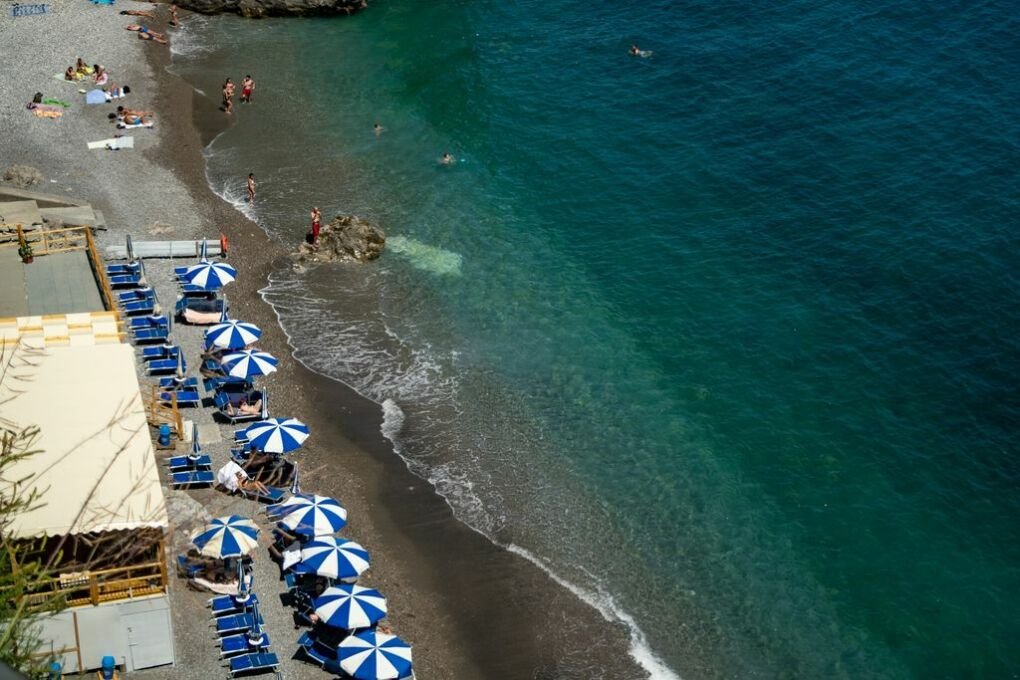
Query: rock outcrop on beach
(346, 238)
(257, 9)
(23, 176)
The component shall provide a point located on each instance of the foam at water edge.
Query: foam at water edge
(393, 420)
(604, 604)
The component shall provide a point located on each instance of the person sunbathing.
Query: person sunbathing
(101, 76)
(81, 68)
(243, 408)
(138, 13)
(145, 34)
(71, 74)
(245, 483)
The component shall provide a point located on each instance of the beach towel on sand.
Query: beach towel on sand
(125, 126)
(113, 143)
(56, 102)
(47, 114)
(95, 97)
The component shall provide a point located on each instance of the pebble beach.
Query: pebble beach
(469, 608)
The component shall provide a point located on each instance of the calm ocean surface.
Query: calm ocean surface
(726, 338)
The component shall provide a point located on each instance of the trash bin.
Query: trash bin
(56, 671)
(164, 435)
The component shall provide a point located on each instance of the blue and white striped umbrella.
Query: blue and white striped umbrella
(370, 655)
(232, 334)
(314, 516)
(349, 606)
(210, 275)
(336, 558)
(277, 435)
(249, 363)
(231, 536)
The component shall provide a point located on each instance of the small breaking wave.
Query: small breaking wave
(606, 605)
(425, 257)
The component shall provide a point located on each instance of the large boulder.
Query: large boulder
(268, 8)
(345, 239)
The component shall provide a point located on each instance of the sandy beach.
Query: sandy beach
(470, 608)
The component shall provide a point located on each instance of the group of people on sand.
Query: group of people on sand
(247, 87)
(146, 33)
(81, 71)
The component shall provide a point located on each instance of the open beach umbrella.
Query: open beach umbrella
(277, 435)
(349, 606)
(232, 334)
(336, 558)
(370, 655)
(231, 536)
(314, 516)
(210, 275)
(249, 363)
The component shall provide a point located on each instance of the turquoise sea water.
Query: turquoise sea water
(725, 338)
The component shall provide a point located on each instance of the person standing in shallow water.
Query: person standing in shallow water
(316, 225)
(251, 187)
(228, 96)
(247, 85)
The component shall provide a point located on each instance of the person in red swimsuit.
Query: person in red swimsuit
(247, 85)
(316, 225)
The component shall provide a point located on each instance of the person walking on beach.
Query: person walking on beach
(316, 225)
(173, 16)
(251, 187)
(247, 85)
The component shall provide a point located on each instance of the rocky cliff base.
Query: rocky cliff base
(346, 238)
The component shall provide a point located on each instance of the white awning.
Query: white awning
(95, 469)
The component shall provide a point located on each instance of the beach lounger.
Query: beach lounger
(175, 384)
(163, 366)
(147, 335)
(228, 625)
(148, 306)
(151, 321)
(123, 269)
(319, 654)
(185, 568)
(126, 280)
(160, 352)
(136, 295)
(194, 478)
(227, 605)
(185, 398)
(239, 644)
(250, 664)
(273, 494)
(186, 463)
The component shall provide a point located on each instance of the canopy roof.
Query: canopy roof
(95, 469)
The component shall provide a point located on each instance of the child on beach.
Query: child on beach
(251, 187)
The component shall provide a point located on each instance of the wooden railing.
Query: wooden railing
(105, 585)
(161, 412)
(99, 271)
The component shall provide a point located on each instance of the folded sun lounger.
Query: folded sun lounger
(240, 644)
(194, 478)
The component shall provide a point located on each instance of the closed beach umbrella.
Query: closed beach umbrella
(179, 372)
(335, 557)
(350, 606)
(210, 275)
(232, 334)
(231, 536)
(249, 363)
(315, 516)
(370, 655)
(277, 435)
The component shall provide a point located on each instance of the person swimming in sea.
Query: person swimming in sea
(447, 159)
(636, 51)
(378, 129)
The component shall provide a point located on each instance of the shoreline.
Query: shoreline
(470, 607)
(483, 592)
